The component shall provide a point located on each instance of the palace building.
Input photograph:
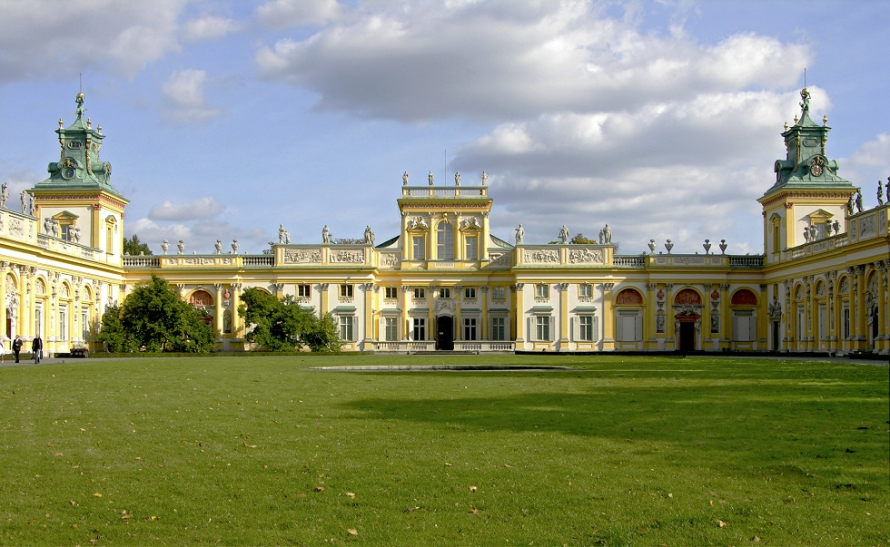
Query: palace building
(445, 282)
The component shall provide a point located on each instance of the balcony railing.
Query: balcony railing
(629, 261)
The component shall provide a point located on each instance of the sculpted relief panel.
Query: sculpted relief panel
(586, 256)
(542, 256)
(348, 257)
(302, 256)
(389, 260)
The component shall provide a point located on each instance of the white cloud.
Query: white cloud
(292, 13)
(198, 236)
(868, 165)
(184, 90)
(502, 60)
(46, 37)
(208, 27)
(202, 208)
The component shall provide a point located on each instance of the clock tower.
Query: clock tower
(808, 200)
(77, 202)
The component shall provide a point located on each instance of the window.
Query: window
(585, 328)
(744, 326)
(419, 247)
(444, 292)
(542, 327)
(470, 293)
(345, 291)
(846, 321)
(346, 327)
(498, 328)
(304, 291)
(542, 291)
(38, 318)
(419, 328)
(498, 293)
(85, 322)
(469, 328)
(445, 247)
(419, 293)
(585, 290)
(472, 248)
(630, 326)
(63, 324)
(392, 328)
(391, 293)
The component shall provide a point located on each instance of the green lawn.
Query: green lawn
(620, 451)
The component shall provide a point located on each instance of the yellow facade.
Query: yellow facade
(445, 282)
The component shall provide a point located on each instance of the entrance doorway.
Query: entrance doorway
(774, 345)
(445, 333)
(687, 336)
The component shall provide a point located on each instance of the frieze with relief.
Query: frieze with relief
(302, 256)
(586, 256)
(348, 257)
(499, 259)
(16, 227)
(389, 260)
(542, 256)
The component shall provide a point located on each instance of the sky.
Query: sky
(225, 119)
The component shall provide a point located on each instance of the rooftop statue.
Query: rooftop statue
(4, 194)
(405, 178)
(520, 234)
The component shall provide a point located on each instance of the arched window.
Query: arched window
(629, 316)
(744, 316)
(445, 241)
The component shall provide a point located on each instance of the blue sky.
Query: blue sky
(225, 119)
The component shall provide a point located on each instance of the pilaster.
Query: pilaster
(484, 329)
(3, 266)
(22, 322)
(218, 311)
(649, 319)
(608, 317)
(725, 319)
(518, 315)
(861, 325)
(670, 324)
(563, 289)
(237, 321)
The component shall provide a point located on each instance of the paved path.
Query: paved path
(9, 361)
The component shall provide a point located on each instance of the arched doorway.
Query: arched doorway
(445, 333)
(688, 305)
(686, 336)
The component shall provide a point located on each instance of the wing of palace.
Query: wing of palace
(446, 283)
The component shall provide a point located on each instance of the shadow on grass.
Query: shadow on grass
(763, 426)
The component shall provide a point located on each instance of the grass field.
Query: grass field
(619, 451)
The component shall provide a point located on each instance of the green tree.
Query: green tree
(133, 246)
(282, 325)
(153, 316)
(581, 240)
(112, 333)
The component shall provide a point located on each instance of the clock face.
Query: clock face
(816, 168)
(68, 172)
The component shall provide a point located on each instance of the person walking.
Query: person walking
(37, 348)
(17, 347)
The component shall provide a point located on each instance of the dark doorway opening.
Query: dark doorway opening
(774, 343)
(874, 326)
(445, 333)
(687, 336)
